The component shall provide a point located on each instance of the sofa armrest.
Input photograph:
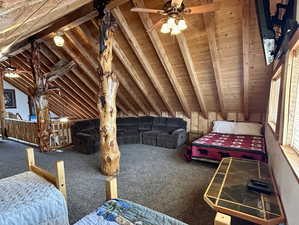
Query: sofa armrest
(178, 131)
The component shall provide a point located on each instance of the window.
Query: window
(292, 123)
(273, 102)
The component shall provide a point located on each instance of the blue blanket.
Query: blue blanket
(122, 212)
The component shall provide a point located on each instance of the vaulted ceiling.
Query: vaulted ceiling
(217, 64)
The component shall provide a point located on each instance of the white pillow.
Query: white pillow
(243, 128)
(224, 127)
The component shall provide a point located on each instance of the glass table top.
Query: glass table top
(228, 192)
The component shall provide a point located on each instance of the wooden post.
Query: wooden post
(60, 178)
(111, 188)
(40, 100)
(30, 158)
(110, 155)
(2, 105)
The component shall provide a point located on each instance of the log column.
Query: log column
(108, 85)
(2, 105)
(40, 100)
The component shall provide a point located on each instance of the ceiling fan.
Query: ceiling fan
(173, 11)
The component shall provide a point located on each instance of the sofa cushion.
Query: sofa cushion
(160, 123)
(145, 123)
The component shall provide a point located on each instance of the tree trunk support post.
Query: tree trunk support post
(108, 85)
(2, 105)
(40, 99)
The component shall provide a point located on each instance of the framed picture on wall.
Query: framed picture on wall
(10, 98)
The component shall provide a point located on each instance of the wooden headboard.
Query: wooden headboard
(58, 180)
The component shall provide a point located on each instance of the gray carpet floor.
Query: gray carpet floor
(155, 177)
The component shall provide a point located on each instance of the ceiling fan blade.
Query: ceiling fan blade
(143, 10)
(202, 8)
(157, 24)
(176, 3)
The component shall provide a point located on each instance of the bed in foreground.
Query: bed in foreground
(117, 211)
(35, 197)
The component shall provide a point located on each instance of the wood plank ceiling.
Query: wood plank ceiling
(216, 65)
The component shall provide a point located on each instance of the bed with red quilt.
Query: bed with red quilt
(215, 146)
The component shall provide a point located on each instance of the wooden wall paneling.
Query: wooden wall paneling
(232, 116)
(192, 72)
(194, 124)
(209, 20)
(163, 56)
(212, 117)
(141, 56)
(241, 117)
(245, 45)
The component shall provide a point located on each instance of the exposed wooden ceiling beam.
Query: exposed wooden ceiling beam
(121, 106)
(134, 75)
(128, 104)
(192, 72)
(92, 90)
(93, 61)
(67, 92)
(141, 56)
(80, 74)
(67, 22)
(210, 25)
(67, 84)
(126, 85)
(163, 56)
(86, 34)
(50, 11)
(245, 45)
(116, 3)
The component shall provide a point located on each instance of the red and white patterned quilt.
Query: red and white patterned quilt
(232, 141)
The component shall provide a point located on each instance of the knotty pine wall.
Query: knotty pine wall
(198, 124)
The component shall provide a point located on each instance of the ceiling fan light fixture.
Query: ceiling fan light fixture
(165, 29)
(182, 24)
(175, 30)
(58, 39)
(171, 22)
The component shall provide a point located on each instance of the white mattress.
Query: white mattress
(27, 199)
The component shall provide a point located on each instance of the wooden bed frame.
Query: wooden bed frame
(111, 193)
(58, 180)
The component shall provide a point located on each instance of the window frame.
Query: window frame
(281, 131)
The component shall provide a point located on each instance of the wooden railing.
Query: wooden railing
(27, 131)
(22, 130)
(61, 134)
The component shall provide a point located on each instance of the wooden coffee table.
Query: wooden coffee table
(227, 193)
